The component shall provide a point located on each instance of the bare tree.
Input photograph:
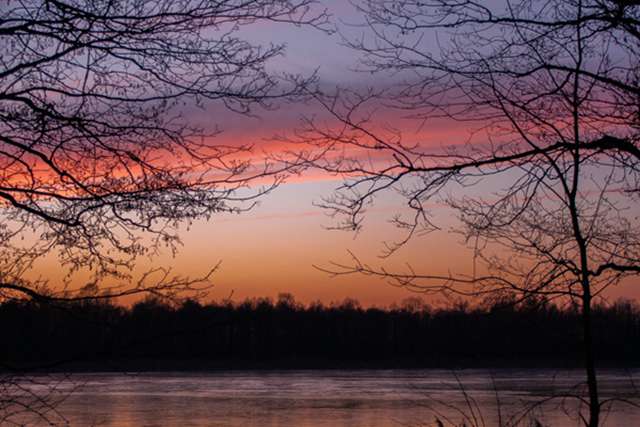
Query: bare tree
(99, 160)
(552, 92)
(96, 147)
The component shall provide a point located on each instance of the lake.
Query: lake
(317, 398)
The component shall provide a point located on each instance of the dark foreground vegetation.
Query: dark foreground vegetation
(261, 333)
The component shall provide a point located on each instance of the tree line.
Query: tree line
(261, 332)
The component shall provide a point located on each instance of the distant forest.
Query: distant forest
(262, 333)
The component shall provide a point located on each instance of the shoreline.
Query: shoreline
(204, 366)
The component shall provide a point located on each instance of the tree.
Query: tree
(99, 162)
(552, 92)
(96, 149)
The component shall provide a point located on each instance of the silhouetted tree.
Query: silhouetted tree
(553, 90)
(100, 163)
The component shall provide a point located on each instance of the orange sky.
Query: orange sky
(273, 249)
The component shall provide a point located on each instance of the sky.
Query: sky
(279, 245)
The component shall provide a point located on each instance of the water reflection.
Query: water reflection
(330, 398)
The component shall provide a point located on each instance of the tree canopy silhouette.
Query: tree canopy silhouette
(96, 147)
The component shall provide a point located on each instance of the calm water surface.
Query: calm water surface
(374, 398)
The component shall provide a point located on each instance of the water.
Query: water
(372, 398)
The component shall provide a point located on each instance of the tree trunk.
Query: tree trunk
(592, 381)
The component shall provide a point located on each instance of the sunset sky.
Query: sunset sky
(274, 247)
